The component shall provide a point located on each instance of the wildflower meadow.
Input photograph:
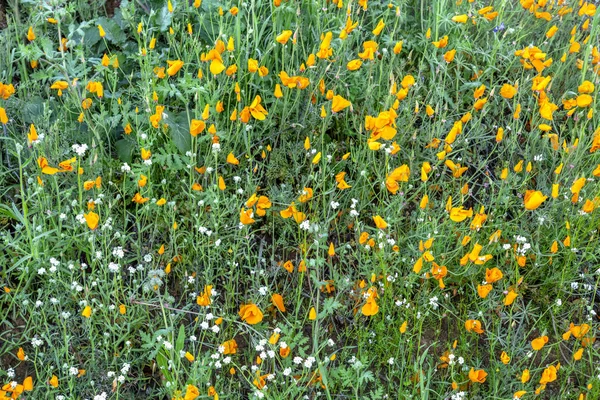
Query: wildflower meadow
(299, 199)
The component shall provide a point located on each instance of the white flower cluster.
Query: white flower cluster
(80, 149)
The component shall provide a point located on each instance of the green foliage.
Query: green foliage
(192, 226)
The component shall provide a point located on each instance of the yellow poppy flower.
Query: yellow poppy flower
(250, 314)
(538, 343)
(477, 376)
(339, 103)
(461, 19)
(284, 36)
(379, 28)
(53, 381)
(380, 222)
(174, 66)
(277, 301)
(87, 312)
(533, 199)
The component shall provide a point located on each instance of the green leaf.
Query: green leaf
(330, 305)
(180, 339)
(125, 150)
(12, 213)
(114, 32)
(163, 364)
(164, 19)
(180, 131)
(33, 109)
(92, 36)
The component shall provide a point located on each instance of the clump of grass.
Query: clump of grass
(299, 199)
